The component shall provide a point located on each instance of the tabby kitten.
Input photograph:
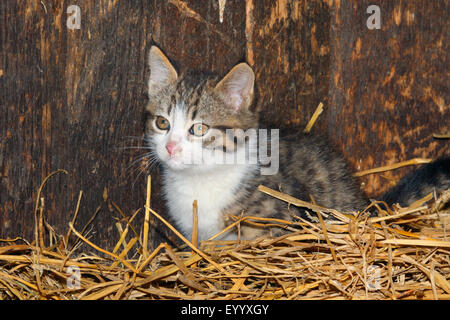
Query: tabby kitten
(195, 120)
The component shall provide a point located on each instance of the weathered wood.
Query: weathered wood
(289, 48)
(389, 92)
(70, 98)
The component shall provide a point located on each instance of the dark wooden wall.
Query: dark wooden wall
(389, 89)
(70, 99)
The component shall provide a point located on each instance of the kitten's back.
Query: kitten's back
(318, 170)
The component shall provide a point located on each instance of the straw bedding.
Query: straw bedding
(404, 253)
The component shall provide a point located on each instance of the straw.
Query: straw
(402, 254)
(410, 162)
(314, 118)
(147, 217)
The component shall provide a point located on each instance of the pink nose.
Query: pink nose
(172, 148)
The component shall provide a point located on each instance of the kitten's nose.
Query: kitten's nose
(173, 147)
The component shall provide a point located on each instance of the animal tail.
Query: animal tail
(434, 176)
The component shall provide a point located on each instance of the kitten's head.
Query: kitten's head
(189, 116)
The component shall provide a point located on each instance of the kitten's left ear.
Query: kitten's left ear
(236, 88)
(162, 73)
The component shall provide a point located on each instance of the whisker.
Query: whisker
(154, 163)
(126, 140)
(134, 137)
(139, 159)
(152, 160)
(132, 147)
(146, 168)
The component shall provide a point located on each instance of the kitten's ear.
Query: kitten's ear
(162, 73)
(236, 88)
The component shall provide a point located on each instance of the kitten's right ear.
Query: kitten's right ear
(162, 73)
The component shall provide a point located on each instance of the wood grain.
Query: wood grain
(70, 98)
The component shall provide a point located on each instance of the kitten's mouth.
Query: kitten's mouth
(175, 163)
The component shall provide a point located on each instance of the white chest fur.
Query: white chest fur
(214, 191)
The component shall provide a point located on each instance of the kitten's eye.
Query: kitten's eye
(198, 129)
(162, 123)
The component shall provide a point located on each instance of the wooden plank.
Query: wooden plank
(70, 98)
(388, 90)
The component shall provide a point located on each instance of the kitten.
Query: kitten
(197, 120)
